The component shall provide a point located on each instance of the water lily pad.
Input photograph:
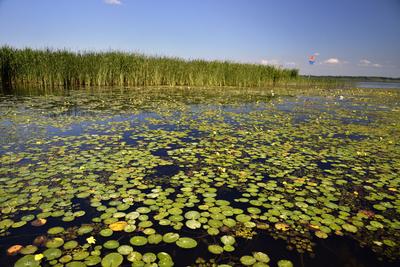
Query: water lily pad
(55, 242)
(75, 264)
(134, 256)
(247, 260)
(118, 226)
(321, 234)
(192, 215)
(149, 257)
(80, 255)
(170, 237)
(215, 249)
(111, 244)
(92, 260)
(285, 263)
(125, 250)
(27, 261)
(85, 229)
(186, 242)
(29, 249)
(70, 244)
(52, 253)
(243, 218)
(106, 232)
(350, 228)
(138, 240)
(155, 238)
(192, 224)
(228, 240)
(112, 260)
(261, 257)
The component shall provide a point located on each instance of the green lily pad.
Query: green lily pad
(29, 249)
(55, 242)
(111, 244)
(85, 229)
(92, 260)
(125, 250)
(138, 240)
(70, 244)
(215, 249)
(261, 257)
(149, 257)
(27, 261)
(247, 260)
(170, 237)
(186, 242)
(228, 240)
(52, 253)
(192, 224)
(55, 230)
(112, 260)
(285, 263)
(350, 228)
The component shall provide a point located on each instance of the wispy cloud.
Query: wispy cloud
(332, 61)
(274, 62)
(113, 2)
(368, 63)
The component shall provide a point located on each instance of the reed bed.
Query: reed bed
(65, 68)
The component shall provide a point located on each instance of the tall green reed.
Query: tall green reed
(65, 68)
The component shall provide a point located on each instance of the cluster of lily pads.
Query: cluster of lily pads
(137, 179)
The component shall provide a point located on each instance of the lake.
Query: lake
(385, 85)
(200, 177)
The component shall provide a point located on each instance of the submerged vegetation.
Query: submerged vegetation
(199, 178)
(64, 68)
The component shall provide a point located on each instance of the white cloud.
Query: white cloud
(364, 62)
(274, 62)
(367, 63)
(113, 2)
(332, 61)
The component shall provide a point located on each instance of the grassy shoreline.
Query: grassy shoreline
(50, 68)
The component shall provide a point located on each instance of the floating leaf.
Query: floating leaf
(112, 260)
(247, 260)
(215, 249)
(186, 242)
(285, 263)
(138, 240)
(27, 261)
(118, 226)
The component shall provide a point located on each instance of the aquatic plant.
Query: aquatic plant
(103, 175)
(49, 68)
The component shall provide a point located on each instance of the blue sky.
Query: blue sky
(349, 37)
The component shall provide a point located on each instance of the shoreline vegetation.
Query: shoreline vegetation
(54, 68)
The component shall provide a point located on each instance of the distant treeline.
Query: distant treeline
(65, 68)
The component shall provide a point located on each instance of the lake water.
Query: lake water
(200, 177)
(385, 85)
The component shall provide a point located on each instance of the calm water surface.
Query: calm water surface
(385, 85)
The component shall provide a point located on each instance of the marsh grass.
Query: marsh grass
(65, 68)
